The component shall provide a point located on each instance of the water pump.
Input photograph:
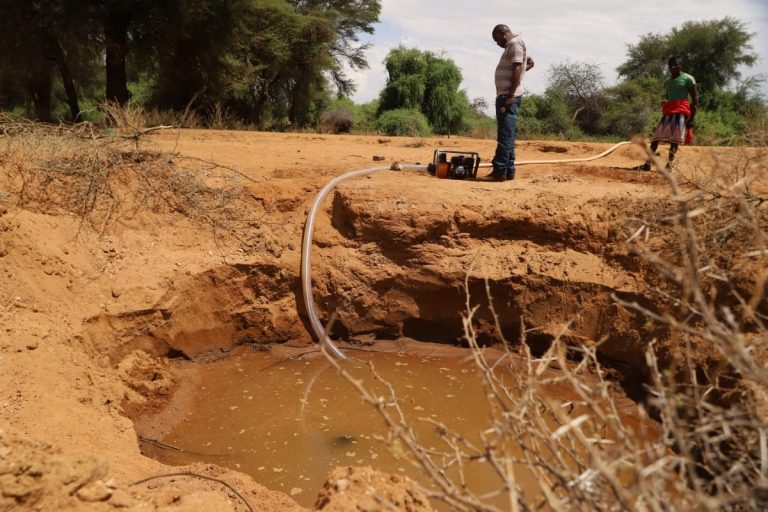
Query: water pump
(454, 164)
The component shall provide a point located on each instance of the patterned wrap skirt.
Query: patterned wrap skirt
(671, 129)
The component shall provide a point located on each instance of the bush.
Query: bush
(755, 131)
(719, 127)
(483, 127)
(629, 119)
(365, 116)
(337, 120)
(219, 117)
(403, 122)
(547, 115)
(632, 108)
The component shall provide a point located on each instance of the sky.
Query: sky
(555, 32)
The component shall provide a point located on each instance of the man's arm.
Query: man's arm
(529, 63)
(517, 70)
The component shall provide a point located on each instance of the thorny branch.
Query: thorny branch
(80, 170)
(706, 447)
(197, 475)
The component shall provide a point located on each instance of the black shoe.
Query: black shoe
(643, 167)
(495, 175)
(492, 177)
(510, 177)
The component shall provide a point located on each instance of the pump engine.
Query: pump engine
(454, 165)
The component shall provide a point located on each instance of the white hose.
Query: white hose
(309, 227)
(567, 160)
(306, 261)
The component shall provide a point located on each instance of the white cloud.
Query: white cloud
(593, 31)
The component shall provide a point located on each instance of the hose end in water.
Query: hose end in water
(332, 349)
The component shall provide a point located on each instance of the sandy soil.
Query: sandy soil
(89, 316)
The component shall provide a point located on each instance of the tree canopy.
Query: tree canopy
(259, 58)
(582, 85)
(280, 64)
(713, 52)
(428, 83)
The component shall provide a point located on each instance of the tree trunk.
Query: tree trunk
(116, 23)
(576, 114)
(298, 110)
(40, 86)
(258, 114)
(66, 78)
(293, 106)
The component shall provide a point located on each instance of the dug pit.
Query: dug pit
(394, 269)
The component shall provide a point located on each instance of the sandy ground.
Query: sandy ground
(88, 314)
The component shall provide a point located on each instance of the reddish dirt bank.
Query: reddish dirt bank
(89, 312)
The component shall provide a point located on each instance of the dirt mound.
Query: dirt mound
(362, 488)
(37, 476)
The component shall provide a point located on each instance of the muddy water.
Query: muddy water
(289, 422)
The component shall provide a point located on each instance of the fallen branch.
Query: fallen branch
(196, 475)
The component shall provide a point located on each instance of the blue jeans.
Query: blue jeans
(504, 159)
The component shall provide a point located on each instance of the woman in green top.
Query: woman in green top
(678, 113)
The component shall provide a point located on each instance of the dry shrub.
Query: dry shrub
(755, 131)
(221, 118)
(102, 176)
(128, 119)
(337, 120)
(701, 442)
(180, 119)
(714, 260)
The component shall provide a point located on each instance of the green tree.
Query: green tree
(284, 52)
(366, 116)
(193, 58)
(713, 52)
(547, 114)
(310, 59)
(583, 86)
(445, 105)
(121, 28)
(427, 83)
(406, 82)
(631, 107)
(257, 58)
(40, 50)
(25, 66)
(320, 41)
(348, 19)
(262, 60)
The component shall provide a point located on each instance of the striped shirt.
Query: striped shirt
(514, 52)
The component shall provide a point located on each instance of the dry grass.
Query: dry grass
(701, 442)
(102, 176)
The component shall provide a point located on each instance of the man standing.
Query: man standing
(513, 64)
(677, 112)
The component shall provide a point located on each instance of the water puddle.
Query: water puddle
(288, 423)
